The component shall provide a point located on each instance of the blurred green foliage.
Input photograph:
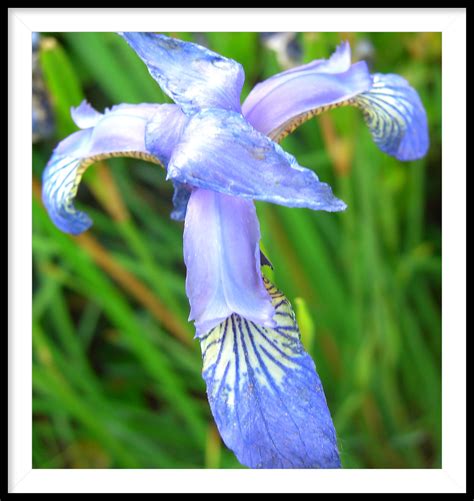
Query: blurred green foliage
(116, 373)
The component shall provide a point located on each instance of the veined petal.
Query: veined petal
(265, 394)
(118, 132)
(392, 108)
(281, 103)
(222, 256)
(219, 150)
(395, 116)
(193, 76)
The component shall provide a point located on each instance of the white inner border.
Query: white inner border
(452, 476)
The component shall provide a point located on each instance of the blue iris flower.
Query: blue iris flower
(263, 389)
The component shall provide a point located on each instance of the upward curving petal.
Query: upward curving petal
(222, 256)
(279, 104)
(219, 150)
(118, 132)
(193, 76)
(265, 394)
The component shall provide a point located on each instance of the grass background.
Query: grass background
(116, 372)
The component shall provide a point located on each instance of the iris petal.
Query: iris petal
(163, 131)
(392, 108)
(278, 105)
(181, 195)
(265, 394)
(85, 116)
(193, 76)
(222, 256)
(219, 150)
(118, 132)
(395, 116)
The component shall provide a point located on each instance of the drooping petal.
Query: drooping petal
(392, 108)
(193, 76)
(395, 116)
(118, 132)
(219, 150)
(222, 256)
(278, 105)
(265, 394)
